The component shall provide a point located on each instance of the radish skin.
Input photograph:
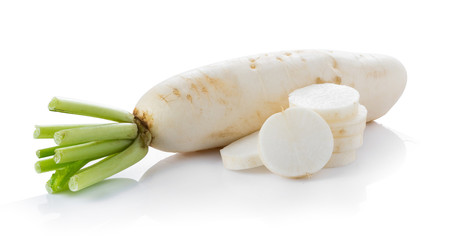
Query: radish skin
(217, 104)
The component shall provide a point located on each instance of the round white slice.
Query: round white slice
(339, 159)
(343, 144)
(331, 101)
(242, 153)
(295, 142)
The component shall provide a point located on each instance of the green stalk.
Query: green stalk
(89, 109)
(50, 151)
(47, 165)
(46, 152)
(109, 166)
(60, 179)
(90, 151)
(81, 143)
(96, 133)
(47, 131)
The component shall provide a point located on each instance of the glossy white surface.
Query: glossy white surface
(112, 52)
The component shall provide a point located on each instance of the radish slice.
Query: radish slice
(242, 154)
(339, 159)
(348, 130)
(295, 142)
(352, 126)
(331, 101)
(343, 144)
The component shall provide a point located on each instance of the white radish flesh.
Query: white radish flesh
(343, 144)
(331, 101)
(217, 104)
(348, 130)
(352, 126)
(295, 143)
(339, 159)
(242, 154)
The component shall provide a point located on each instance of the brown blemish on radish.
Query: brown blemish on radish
(189, 98)
(194, 87)
(225, 133)
(215, 82)
(319, 80)
(252, 66)
(376, 74)
(176, 92)
(162, 97)
(288, 54)
(204, 90)
(337, 80)
(219, 87)
(258, 114)
(334, 63)
(279, 59)
(198, 86)
(185, 78)
(222, 101)
(253, 60)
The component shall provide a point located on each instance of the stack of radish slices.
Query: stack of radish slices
(323, 127)
(339, 106)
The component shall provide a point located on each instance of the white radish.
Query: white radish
(331, 101)
(242, 154)
(295, 143)
(217, 104)
(339, 159)
(343, 144)
(352, 126)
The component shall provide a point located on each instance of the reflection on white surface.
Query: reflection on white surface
(196, 186)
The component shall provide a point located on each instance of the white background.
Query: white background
(112, 52)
